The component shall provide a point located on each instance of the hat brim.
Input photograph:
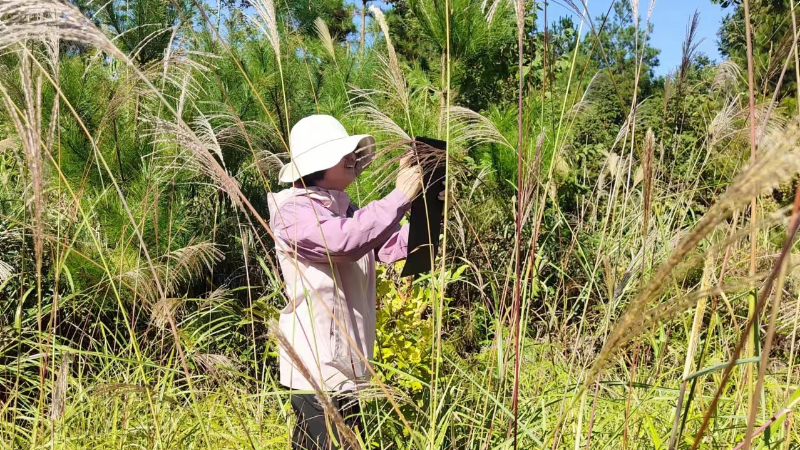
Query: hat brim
(328, 155)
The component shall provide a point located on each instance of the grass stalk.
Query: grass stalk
(520, 16)
(763, 293)
(796, 56)
(694, 339)
(751, 311)
(440, 301)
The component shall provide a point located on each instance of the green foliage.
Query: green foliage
(145, 27)
(404, 330)
(337, 14)
(140, 230)
(772, 41)
(405, 325)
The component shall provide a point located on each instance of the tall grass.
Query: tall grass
(558, 317)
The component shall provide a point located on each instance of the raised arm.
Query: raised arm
(396, 248)
(314, 234)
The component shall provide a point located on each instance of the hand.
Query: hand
(443, 195)
(409, 178)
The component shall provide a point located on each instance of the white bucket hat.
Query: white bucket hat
(319, 142)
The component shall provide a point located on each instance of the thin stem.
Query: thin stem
(751, 313)
(518, 236)
(440, 302)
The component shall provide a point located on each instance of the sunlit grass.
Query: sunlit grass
(599, 301)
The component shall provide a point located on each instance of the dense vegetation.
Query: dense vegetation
(617, 269)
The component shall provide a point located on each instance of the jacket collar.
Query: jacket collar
(336, 201)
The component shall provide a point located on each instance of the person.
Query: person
(327, 250)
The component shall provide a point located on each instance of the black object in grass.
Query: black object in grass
(425, 223)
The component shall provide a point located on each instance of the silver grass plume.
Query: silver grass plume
(196, 151)
(23, 20)
(468, 128)
(779, 163)
(769, 123)
(723, 125)
(268, 23)
(669, 88)
(624, 131)
(690, 45)
(392, 75)
(533, 181)
(492, 11)
(364, 106)
(214, 363)
(187, 262)
(26, 119)
(140, 282)
(254, 137)
(163, 309)
(325, 36)
(175, 269)
(219, 295)
(587, 97)
(150, 37)
(727, 76)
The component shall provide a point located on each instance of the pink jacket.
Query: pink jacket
(326, 249)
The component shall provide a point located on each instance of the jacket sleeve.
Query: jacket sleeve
(396, 248)
(314, 234)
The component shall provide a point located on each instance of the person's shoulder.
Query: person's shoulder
(301, 199)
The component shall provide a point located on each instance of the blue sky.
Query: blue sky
(669, 19)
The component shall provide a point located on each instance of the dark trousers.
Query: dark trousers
(313, 432)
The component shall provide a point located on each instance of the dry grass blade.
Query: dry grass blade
(60, 389)
(6, 271)
(779, 164)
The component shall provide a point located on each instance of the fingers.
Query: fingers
(442, 195)
(406, 161)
